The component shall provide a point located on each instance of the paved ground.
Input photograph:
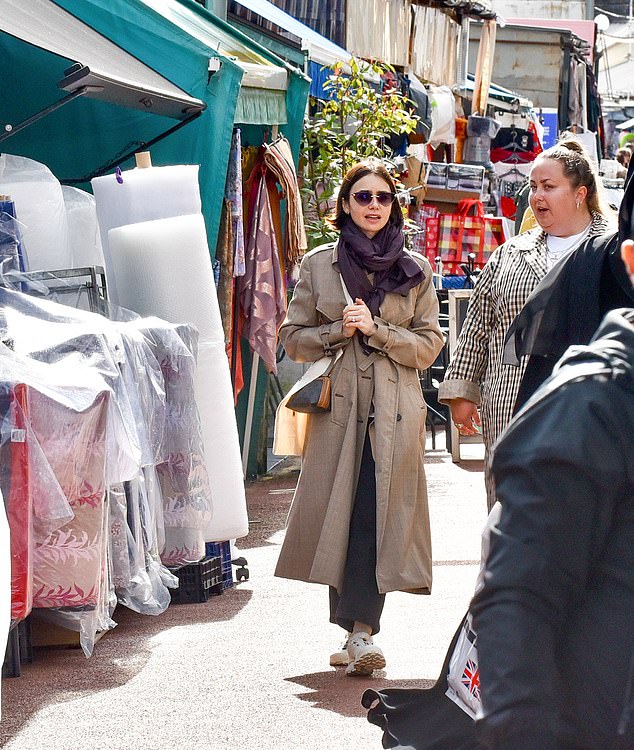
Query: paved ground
(249, 669)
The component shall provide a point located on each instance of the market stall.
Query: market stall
(169, 489)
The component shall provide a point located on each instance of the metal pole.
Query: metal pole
(248, 426)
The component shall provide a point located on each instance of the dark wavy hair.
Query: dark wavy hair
(363, 168)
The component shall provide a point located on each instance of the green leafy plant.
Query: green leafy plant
(353, 124)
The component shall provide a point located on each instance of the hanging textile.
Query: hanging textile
(261, 290)
(279, 160)
(225, 256)
(233, 193)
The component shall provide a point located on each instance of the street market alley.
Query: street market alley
(249, 669)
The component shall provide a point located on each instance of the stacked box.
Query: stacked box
(222, 550)
(198, 581)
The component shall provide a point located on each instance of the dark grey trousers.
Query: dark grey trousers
(359, 598)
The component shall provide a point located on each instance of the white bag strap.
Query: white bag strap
(346, 293)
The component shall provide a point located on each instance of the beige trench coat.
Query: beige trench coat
(408, 339)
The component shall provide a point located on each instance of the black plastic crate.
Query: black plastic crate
(223, 550)
(198, 581)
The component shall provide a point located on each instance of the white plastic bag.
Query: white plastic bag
(464, 674)
(443, 116)
(463, 679)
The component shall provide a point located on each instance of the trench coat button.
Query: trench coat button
(398, 417)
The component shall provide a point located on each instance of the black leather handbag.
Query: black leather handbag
(313, 398)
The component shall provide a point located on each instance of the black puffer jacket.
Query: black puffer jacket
(555, 620)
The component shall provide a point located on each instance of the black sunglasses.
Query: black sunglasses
(364, 197)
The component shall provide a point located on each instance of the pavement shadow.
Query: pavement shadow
(60, 674)
(335, 691)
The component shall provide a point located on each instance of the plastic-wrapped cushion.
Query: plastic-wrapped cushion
(183, 475)
(53, 333)
(56, 496)
(40, 209)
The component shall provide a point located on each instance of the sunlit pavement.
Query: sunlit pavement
(249, 669)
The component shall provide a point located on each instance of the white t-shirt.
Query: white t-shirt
(559, 247)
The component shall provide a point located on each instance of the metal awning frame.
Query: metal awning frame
(188, 114)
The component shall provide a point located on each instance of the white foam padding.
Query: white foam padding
(83, 230)
(143, 195)
(214, 397)
(163, 268)
(39, 207)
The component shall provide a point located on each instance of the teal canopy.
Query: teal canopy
(186, 45)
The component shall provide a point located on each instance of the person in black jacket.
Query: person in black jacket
(555, 618)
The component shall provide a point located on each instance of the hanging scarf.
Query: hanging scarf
(394, 271)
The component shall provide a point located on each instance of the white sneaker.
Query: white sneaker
(364, 656)
(340, 658)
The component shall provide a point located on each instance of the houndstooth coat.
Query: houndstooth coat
(476, 371)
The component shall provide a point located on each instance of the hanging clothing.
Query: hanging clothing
(279, 160)
(233, 193)
(225, 256)
(261, 290)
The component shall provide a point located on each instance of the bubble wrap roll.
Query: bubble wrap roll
(144, 195)
(163, 268)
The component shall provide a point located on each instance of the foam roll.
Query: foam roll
(214, 397)
(143, 195)
(163, 268)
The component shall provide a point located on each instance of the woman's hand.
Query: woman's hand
(357, 317)
(464, 414)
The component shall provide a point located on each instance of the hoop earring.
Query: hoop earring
(578, 205)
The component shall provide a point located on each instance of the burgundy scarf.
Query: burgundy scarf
(394, 271)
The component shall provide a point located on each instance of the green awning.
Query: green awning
(258, 107)
(209, 60)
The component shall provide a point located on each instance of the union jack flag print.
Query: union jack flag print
(471, 678)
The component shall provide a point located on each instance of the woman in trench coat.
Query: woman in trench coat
(359, 522)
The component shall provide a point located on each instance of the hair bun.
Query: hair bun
(572, 144)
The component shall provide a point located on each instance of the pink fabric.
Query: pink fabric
(262, 291)
(69, 563)
(15, 461)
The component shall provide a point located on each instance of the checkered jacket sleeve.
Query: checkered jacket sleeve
(468, 365)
